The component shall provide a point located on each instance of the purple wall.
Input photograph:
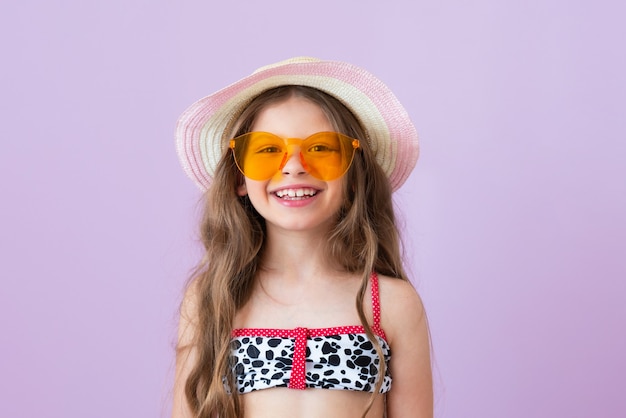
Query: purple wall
(515, 217)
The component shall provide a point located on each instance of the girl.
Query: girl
(301, 306)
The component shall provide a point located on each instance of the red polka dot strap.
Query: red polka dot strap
(376, 305)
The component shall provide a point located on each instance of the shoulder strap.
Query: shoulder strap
(375, 300)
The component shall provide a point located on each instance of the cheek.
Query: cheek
(337, 188)
(250, 187)
(255, 190)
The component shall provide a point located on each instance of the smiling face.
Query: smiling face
(293, 199)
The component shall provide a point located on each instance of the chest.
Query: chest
(311, 313)
(283, 304)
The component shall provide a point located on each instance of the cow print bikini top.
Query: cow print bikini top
(300, 358)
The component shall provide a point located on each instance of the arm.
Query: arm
(406, 326)
(185, 354)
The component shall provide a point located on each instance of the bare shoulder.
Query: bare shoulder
(400, 303)
(404, 320)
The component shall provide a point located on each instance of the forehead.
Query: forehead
(295, 117)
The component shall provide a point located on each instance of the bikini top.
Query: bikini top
(300, 358)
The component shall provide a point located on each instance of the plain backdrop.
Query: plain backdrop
(514, 220)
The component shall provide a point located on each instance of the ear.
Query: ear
(242, 190)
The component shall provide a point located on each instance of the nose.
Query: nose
(294, 165)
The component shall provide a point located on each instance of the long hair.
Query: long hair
(364, 239)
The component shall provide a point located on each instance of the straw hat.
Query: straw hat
(204, 129)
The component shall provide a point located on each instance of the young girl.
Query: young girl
(301, 306)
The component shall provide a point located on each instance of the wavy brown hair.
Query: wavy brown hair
(364, 239)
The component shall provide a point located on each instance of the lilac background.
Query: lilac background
(514, 218)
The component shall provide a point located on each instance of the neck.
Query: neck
(297, 255)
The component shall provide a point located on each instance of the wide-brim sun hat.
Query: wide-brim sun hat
(203, 130)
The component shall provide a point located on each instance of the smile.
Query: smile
(296, 194)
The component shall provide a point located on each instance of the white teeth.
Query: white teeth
(291, 193)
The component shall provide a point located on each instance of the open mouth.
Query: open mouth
(296, 194)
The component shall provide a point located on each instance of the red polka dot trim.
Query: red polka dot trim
(310, 332)
(298, 367)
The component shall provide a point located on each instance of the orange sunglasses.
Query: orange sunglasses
(324, 155)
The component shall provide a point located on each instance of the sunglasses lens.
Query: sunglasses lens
(328, 155)
(259, 155)
(325, 155)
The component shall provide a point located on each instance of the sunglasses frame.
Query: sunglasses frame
(288, 153)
